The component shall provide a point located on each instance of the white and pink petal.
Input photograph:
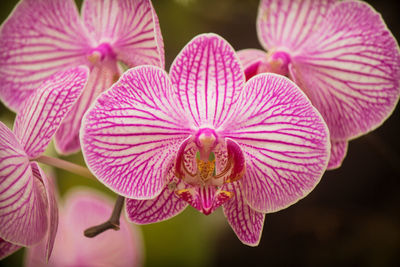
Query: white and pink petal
(163, 207)
(350, 69)
(283, 24)
(44, 111)
(131, 133)
(159, 38)
(38, 39)
(131, 27)
(208, 78)
(51, 208)
(23, 219)
(101, 77)
(245, 222)
(338, 153)
(285, 141)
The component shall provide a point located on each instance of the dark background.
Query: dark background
(352, 218)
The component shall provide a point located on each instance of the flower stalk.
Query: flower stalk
(66, 165)
(112, 223)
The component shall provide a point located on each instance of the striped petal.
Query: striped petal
(338, 153)
(22, 195)
(83, 209)
(209, 78)
(251, 60)
(38, 39)
(165, 206)
(52, 209)
(44, 111)
(132, 132)
(246, 222)
(285, 140)
(351, 70)
(131, 27)
(101, 77)
(7, 248)
(288, 24)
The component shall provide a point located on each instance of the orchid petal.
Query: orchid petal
(132, 132)
(41, 115)
(83, 209)
(285, 140)
(351, 70)
(38, 39)
(246, 222)
(251, 60)
(7, 248)
(209, 78)
(52, 209)
(22, 197)
(338, 153)
(130, 26)
(159, 38)
(101, 77)
(165, 206)
(288, 24)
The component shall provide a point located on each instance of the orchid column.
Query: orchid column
(41, 37)
(203, 137)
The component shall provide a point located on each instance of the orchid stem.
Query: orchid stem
(66, 165)
(112, 223)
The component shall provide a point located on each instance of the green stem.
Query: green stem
(66, 165)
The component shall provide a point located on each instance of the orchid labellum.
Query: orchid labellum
(203, 137)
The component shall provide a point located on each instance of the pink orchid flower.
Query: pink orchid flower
(200, 136)
(82, 209)
(28, 210)
(340, 53)
(41, 37)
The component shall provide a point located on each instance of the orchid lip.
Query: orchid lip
(205, 199)
(205, 162)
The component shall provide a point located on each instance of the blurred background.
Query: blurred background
(351, 218)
